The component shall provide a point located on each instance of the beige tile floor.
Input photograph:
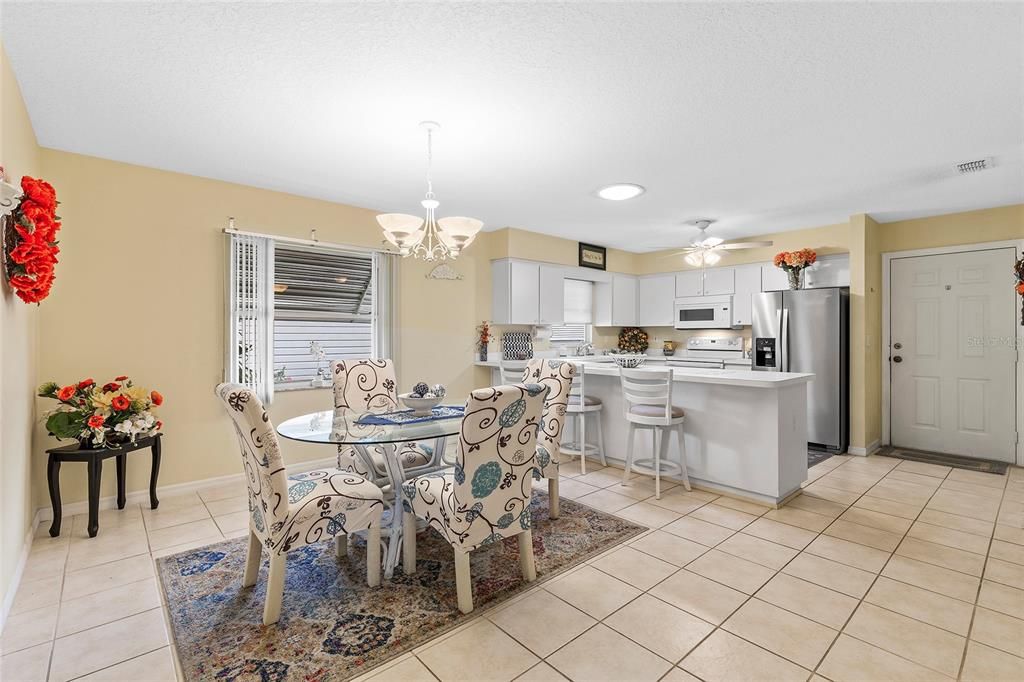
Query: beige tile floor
(879, 570)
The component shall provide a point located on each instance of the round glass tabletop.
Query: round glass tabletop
(342, 426)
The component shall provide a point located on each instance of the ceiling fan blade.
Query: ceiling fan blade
(673, 254)
(745, 245)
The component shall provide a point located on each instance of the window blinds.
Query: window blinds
(249, 347)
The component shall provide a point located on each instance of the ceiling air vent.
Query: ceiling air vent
(974, 166)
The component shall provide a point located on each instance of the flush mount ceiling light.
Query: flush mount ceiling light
(429, 239)
(621, 191)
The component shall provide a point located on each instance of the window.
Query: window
(579, 306)
(296, 307)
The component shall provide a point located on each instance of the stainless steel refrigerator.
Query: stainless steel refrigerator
(808, 331)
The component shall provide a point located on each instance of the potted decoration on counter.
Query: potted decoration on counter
(483, 337)
(794, 263)
(1018, 271)
(633, 340)
(28, 231)
(109, 416)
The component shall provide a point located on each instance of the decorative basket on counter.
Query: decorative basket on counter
(629, 360)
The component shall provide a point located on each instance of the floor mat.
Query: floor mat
(956, 461)
(817, 457)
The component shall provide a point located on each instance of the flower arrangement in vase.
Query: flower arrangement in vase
(794, 263)
(29, 234)
(111, 415)
(483, 337)
(1018, 271)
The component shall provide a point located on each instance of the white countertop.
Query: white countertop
(603, 366)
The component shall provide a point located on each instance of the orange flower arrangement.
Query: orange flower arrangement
(795, 260)
(30, 240)
(113, 414)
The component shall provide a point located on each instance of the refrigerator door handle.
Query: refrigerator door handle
(784, 341)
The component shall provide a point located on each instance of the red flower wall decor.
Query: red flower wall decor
(30, 240)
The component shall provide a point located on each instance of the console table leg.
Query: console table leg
(122, 465)
(154, 472)
(53, 479)
(95, 474)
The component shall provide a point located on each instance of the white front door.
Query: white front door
(953, 355)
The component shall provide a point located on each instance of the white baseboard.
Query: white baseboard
(142, 496)
(864, 452)
(12, 589)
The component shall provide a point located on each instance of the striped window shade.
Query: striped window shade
(251, 315)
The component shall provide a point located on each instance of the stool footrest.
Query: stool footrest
(573, 449)
(646, 466)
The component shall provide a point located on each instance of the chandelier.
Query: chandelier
(431, 238)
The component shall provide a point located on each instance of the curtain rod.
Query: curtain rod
(305, 242)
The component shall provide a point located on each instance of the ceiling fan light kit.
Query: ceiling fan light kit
(708, 250)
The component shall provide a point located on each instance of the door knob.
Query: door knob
(897, 358)
(897, 345)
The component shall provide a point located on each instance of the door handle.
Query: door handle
(897, 358)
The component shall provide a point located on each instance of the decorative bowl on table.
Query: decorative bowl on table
(629, 360)
(420, 407)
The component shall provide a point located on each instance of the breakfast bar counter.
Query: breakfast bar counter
(746, 432)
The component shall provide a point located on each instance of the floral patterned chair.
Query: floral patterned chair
(365, 385)
(557, 375)
(486, 496)
(289, 512)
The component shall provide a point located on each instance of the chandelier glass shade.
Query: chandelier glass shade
(429, 238)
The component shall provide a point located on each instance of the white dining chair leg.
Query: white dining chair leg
(252, 561)
(526, 562)
(682, 456)
(373, 555)
(275, 589)
(341, 545)
(409, 543)
(554, 506)
(582, 419)
(463, 583)
(630, 437)
(600, 438)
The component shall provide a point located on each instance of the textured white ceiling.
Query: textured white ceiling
(765, 116)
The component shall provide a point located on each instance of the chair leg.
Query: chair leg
(659, 441)
(373, 554)
(463, 583)
(582, 421)
(526, 562)
(341, 545)
(409, 543)
(682, 456)
(630, 437)
(554, 506)
(275, 589)
(252, 561)
(600, 438)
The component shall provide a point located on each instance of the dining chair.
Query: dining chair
(486, 496)
(557, 375)
(287, 513)
(647, 404)
(370, 385)
(579, 407)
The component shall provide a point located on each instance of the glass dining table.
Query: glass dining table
(367, 433)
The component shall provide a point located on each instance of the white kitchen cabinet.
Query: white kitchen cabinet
(551, 307)
(828, 271)
(773, 278)
(515, 292)
(655, 298)
(748, 283)
(719, 281)
(689, 283)
(615, 302)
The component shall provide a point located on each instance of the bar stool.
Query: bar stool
(511, 371)
(647, 399)
(580, 405)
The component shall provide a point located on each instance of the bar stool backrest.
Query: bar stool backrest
(512, 371)
(647, 387)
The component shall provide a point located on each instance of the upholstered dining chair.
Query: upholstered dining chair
(364, 385)
(290, 512)
(486, 496)
(557, 375)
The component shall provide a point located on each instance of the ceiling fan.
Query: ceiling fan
(707, 250)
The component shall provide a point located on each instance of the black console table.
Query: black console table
(94, 458)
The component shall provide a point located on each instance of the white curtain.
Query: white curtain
(250, 350)
(385, 340)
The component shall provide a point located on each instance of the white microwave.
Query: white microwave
(703, 312)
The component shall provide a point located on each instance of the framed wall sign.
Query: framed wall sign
(593, 256)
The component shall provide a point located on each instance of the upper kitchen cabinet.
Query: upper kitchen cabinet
(773, 278)
(655, 297)
(719, 281)
(515, 291)
(829, 271)
(615, 302)
(689, 283)
(551, 307)
(748, 283)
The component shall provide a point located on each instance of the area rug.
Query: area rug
(334, 627)
(987, 466)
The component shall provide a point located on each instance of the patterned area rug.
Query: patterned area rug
(334, 627)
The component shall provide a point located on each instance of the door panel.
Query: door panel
(954, 389)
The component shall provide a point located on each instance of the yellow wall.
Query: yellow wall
(141, 292)
(19, 154)
(865, 332)
(970, 227)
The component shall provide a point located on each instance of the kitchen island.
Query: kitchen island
(746, 432)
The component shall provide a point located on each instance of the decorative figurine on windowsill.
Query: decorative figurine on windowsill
(318, 353)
